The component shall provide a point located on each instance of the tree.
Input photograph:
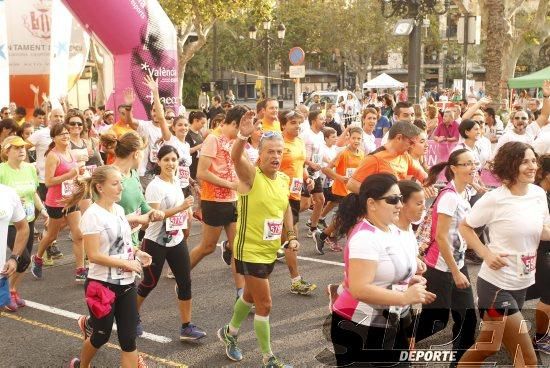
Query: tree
(198, 17)
(511, 30)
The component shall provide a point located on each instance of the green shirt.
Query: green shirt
(132, 199)
(25, 181)
(260, 219)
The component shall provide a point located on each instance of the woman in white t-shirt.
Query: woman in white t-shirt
(165, 242)
(446, 273)
(515, 215)
(379, 278)
(252, 145)
(113, 266)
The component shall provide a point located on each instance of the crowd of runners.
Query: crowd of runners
(128, 191)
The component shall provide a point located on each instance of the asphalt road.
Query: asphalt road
(40, 335)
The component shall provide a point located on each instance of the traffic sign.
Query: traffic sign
(296, 55)
(297, 71)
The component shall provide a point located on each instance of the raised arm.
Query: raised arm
(472, 109)
(154, 87)
(244, 169)
(545, 111)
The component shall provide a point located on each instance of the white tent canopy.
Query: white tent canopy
(383, 81)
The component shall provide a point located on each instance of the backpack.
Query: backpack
(425, 234)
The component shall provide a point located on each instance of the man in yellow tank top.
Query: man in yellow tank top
(263, 212)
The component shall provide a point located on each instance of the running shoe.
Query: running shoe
(191, 333)
(141, 362)
(12, 306)
(53, 251)
(75, 363)
(84, 327)
(273, 362)
(308, 223)
(543, 345)
(319, 243)
(230, 342)
(332, 292)
(80, 275)
(17, 299)
(36, 266)
(302, 287)
(47, 261)
(333, 245)
(310, 233)
(226, 253)
(323, 223)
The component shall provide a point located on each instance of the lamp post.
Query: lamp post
(414, 11)
(267, 42)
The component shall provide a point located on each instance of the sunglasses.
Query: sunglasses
(393, 199)
(270, 134)
(169, 117)
(64, 133)
(520, 118)
(75, 123)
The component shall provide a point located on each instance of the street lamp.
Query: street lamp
(414, 11)
(267, 42)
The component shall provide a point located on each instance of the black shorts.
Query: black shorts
(497, 302)
(59, 212)
(218, 214)
(295, 208)
(259, 270)
(540, 289)
(317, 188)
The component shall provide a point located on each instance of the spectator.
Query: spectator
(447, 131)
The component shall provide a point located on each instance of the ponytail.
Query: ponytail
(349, 212)
(83, 191)
(435, 170)
(50, 147)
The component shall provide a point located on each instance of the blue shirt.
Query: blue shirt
(382, 123)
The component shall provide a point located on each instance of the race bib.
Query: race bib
(349, 172)
(273, 228)
(68, 187)
(401, 288)
(527, 263)
(316, 158)
(177, 222)
(154, 152)
(118, 273)
(296, 186)
(183, 175)
(29, 209)
(89, 170)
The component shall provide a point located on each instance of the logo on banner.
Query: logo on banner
(38, 21)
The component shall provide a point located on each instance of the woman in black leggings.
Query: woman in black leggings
(110, 288)
(165, 242)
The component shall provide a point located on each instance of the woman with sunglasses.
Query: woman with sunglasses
(516, 216)
(520, 121)
(447, 274)
(164, 240)
(379, 283)
(61, 169)
(74, 121)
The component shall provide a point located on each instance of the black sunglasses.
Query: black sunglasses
(74, 123)
(393, 199)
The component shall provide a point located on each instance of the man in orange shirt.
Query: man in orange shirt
(268, 110)
(391, 158)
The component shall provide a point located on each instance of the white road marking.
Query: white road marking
(71, 315)
(321, 261)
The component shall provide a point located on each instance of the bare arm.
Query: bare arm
(204, 174)
(188, 202)
(22, 228)
(545, 111)
(153, 86)
(244, 169)
(91, 246)
(353, 185)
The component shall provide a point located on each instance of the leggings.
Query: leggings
(124, 311)
(179, 262)
(25, 259)
(460, 302)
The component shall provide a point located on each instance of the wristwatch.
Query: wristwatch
(15, 258)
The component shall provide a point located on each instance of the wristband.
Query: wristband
(242, 137)
(290, 234)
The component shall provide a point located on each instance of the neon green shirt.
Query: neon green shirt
(24, 181)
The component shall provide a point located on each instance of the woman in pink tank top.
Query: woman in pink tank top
(61, 169)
